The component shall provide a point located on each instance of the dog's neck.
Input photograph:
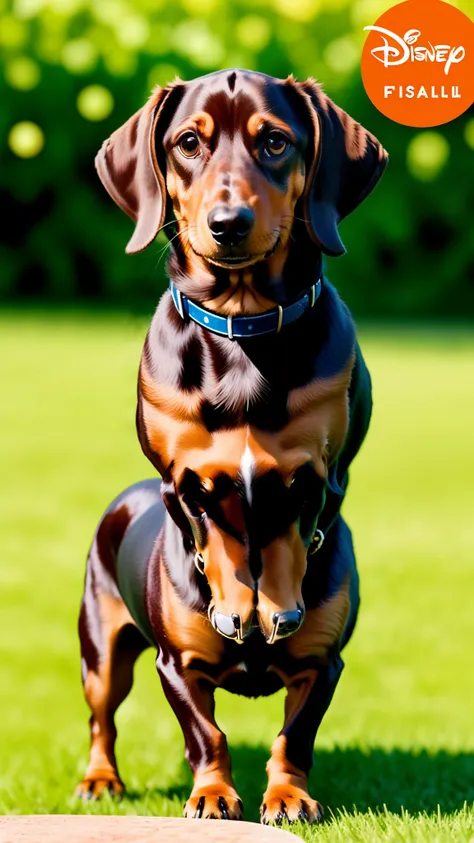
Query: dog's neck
(279, 279)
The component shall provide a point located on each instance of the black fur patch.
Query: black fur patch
(191, 375)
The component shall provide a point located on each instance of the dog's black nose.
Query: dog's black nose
(230, 226)
(286, 623)
(229, 627)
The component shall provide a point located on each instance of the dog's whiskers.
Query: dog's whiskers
(167, 245)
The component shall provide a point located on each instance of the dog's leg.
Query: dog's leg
(191, 697)
(326, 629)
(110, 645)
(308, 698)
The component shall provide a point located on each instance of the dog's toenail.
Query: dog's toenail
(223, 808)
(200, 808)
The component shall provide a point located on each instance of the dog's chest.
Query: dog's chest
(194, 385)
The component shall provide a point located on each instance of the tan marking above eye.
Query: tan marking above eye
(260, 120)
(201, 122)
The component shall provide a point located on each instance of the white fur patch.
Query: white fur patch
(247, 470)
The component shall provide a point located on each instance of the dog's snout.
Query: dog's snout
(230, 226)
(286, 623)
(230, 626)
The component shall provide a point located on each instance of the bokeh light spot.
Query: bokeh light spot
(26, 139)
(253, 32)
(302, 10)
(205, 7)
(13, 32)
(95, 102)
(133, 32)
(427, 154)
(22, 73)
(342, 55)
(109, 12)
(66, 7)
(28, 8)
(194, 39)
(79, 55)
(469, 133)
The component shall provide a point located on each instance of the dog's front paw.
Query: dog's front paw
(94, 785)
(214, 802)
(291, 804)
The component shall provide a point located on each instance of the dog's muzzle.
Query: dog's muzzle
(228, 626)
(231, 626)
(285, 624)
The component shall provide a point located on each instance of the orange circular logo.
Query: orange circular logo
(418, 63)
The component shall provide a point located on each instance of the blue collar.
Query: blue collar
(236, 327)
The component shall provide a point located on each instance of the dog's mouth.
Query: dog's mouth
(233, 261)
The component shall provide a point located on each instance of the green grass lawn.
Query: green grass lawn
(395, 754)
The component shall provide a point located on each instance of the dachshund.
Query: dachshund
(253, 399)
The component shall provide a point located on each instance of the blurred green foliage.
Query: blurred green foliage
(74, 70)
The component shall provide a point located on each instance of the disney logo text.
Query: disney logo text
(400, 50)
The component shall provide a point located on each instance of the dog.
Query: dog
(253, 399)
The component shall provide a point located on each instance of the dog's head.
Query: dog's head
(240, 160)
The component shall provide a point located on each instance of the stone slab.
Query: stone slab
(68, 828)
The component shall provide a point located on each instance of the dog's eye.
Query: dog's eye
(188, 145)
(276, 144)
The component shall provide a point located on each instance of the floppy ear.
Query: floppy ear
(128, 167)
(347, 163)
